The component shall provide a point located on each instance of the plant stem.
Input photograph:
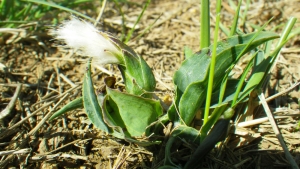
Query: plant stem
(101, 12)
(212, 64)
(205, 24)
(235, 20)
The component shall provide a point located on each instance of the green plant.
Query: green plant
(15, 12)
(297, 128)
(203, 82)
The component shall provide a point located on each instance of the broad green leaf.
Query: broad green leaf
(193, 69)
(133, 113)
(188, 52)
(187, 134)
(112, 118)
(90, 102)
(74, 104)
(191, 101)
(137, 75)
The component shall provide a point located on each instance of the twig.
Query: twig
(242, 162)
(50, 82)
(172, 15)
(57, 156)
(11, 104)
(67, 59)
(73, 142)
(280, 93)
(103, 70)
(23, 74)
(5, 143)
(263, 119)
(101, 12)
(31, 120)
(67, 80)
(58, 80)
(121, 158)
(22, 151)
(158, 78)
(17, 34)
(10, 129)
(290, 72)
(16, 85)
(277, 132)
(37, 127)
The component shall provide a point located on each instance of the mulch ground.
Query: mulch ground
(51, 77)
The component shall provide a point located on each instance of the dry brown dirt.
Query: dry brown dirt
(51, 77)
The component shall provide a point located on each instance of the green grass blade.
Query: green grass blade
(242, 80)
(214, 117)
(253, 83)
(235, 19)
(285, 33)
(205, 24)
(257, 33)
(61, 8)
(212, 64)
(256, 78)
(295, 32)
(27, 10)
(225, 30)
(137, 21)
(123, 19)
(232, 4)
(244, 15)
(223, 87)
(5, 8)
(22, 14)
(148, 28)
(259, 76)
(74, 104)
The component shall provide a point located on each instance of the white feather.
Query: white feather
(86, 40)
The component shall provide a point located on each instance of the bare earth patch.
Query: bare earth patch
(52, 76)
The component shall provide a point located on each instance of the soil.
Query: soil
(51, 76)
